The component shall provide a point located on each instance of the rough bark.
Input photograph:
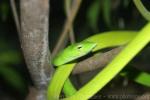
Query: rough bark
(99, 60)
(34, 42)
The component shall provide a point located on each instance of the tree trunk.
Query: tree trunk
(34, 42)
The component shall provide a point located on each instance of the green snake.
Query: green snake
(99, 41)
(64, 64)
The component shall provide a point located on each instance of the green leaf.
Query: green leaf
(12, 77)
(10, 56)
(126, 3)
(137, 76)
(107, 11)
(92, 14)
(4, 9)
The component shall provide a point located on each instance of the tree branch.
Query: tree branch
(100, 60)
(34, 42)
(97, 61)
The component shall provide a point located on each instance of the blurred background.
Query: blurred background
(94, 16)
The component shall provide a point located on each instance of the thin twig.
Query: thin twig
(71, 35)
(66, 28)
(16, 18)
(68, 9)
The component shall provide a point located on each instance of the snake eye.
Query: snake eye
(79, 47)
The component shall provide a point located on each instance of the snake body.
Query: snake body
(100, 41)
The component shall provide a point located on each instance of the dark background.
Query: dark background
(14, 76)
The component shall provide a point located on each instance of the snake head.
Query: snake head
(73, 52)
